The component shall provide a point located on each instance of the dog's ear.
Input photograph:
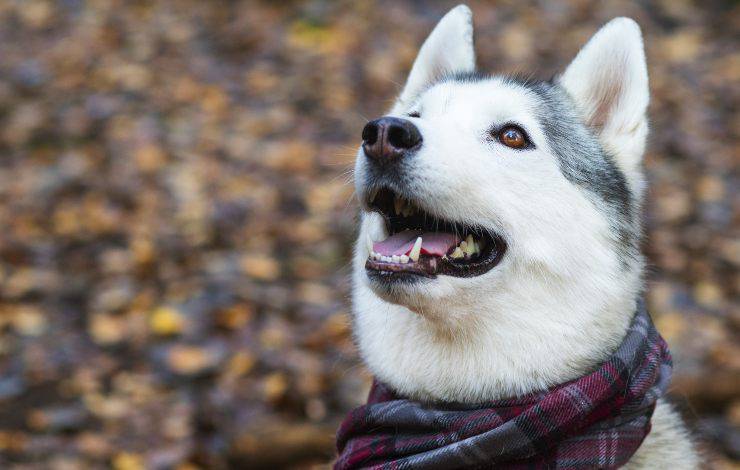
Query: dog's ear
(447, 50)
(608, 81)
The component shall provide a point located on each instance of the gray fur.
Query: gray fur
(584, 163)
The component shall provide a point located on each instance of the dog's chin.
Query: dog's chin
(432, 298)
(404, 289)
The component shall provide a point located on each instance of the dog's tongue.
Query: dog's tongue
(432, 243)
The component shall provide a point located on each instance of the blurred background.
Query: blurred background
(177, 220)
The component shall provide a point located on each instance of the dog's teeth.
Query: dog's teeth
(463, 245)
(404, 259)
(373, 193)
(470, 247)
(416, 250)
(458, 253)
(396, 259)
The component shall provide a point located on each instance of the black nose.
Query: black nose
(388, 139)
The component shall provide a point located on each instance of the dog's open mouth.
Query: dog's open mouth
(419, 243)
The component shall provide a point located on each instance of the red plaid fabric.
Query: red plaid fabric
(596, 421)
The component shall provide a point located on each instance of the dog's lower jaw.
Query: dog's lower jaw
(474, 351)
(424, 299)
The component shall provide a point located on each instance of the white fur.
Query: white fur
(561, 299)
(667, 446)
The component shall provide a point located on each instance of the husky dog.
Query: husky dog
(498, 252)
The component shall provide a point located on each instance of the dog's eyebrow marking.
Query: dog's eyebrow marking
(462, 77)
(465, 77)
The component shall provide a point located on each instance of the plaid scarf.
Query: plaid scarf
(595, 421)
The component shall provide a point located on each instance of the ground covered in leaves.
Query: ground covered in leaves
(177, 221)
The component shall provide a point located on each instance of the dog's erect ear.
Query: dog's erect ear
(608, 81)
(447, 50)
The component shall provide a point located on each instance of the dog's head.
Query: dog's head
(498, 249)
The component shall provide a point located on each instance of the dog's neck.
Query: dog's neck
(602, 427)
(493, 347)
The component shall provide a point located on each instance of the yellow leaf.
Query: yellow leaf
(166, 321)
(128, 461)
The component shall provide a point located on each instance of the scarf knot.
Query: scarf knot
(595, 421)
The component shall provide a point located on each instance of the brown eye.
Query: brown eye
(513, 137)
